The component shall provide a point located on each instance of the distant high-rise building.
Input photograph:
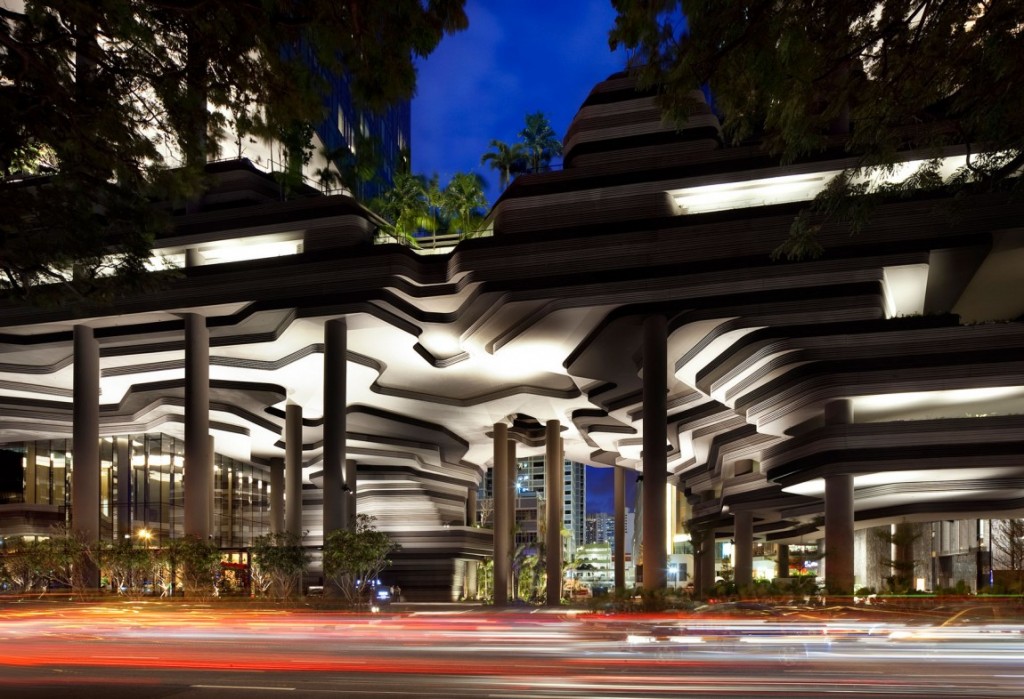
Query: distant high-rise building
(600, 528)
(531, 491)
(338, 139)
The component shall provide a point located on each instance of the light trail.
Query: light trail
(543, 655)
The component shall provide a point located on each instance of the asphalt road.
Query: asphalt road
(149, 650)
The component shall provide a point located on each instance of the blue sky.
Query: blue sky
(515, 58)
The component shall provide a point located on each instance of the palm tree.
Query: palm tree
(405, 207)
(539, 141)
(464, 203)
(506, 159)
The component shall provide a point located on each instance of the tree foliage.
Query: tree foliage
(194, 561)
(417, 206)
(539, 142)
(23, 566)
(129, 566)
(507, 159)
(354, 559)
(278, 562)
(1008, 546)
(64, 557)
(464, 204)
(871, 79)
(101, 98)
(404, 206)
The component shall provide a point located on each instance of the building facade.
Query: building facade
(531, 496)
(625, 312)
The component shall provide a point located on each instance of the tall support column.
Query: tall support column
(707, 562)
(619, 557)
(553, 486)
(783, 561)
(655, 390)
(216, 530)
(351, 488)
(198, 477)
(839, 513)
(293, 468)
(85, 464)
(502, 520)
(471, 506)
(277, 496)
(471, 579)
(839, 534)
(233, 479)
(698, 578)
(123, 447)
(743, 549)
(335, 389)
(512, 490)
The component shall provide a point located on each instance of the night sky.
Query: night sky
(600, 489)
(515, 58)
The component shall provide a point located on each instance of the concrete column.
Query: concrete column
(698, 557)
(655, 390)
(743, 549)
(471, 579)
(194, 258)
(293, 468)
(502, 521)
(553, 486)
(619, 556)
(277, 496)
(350, 488)
(85, 457)
(839, 513)
(123, 449)
(839, 534)
(197, 478)
(512, 486)
(31, 493)
(783, 561)
(215, 529)
(707, 561)
(335, 390)
(229, 501)
(471, 506)
(512, 489)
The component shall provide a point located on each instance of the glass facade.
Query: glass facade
(141, 487)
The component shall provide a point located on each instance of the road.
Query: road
(153, 650)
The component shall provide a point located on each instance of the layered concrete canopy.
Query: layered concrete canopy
(913, 325)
